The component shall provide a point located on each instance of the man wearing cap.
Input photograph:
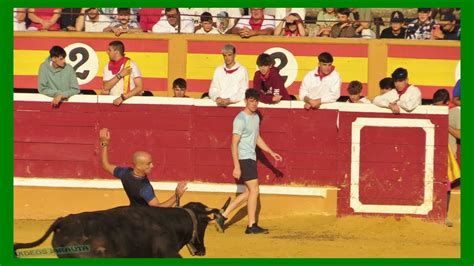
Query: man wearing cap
(322, 85)
(230, 80)
(405, 96)
(91, 21)
(396, 29)
(447, 30)
(420, 28)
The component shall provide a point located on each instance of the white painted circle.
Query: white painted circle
(290, 69)
(84, 60)
(457, 72)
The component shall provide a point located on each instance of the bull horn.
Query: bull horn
(226, 204)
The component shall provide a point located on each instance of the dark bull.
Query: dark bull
(132, 232)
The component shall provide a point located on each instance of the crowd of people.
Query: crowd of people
(230, 83)
(431, 23)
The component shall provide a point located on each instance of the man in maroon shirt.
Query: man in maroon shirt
(268, 82)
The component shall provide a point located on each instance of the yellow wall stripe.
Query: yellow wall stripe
(202, 66)
(152, 65)
(425, 71)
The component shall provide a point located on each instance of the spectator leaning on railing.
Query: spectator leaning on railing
(345, 27)
(291, 25)
(447, 29)
(122, 24)
(174, 22)
(19, 16)
(44, 19)
(57, 79)
(255, 24)
(420, 28)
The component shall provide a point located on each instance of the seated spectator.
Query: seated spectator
(223, 22)
(230, 81)
(91, 21)
(149, 17)
(386, 85)
(322, 85)
(345, 27)
(122, 23)
(405, 96)
(268, 82)
(233, 14)
(457, 93)
(354, 89)
(436, 13)
(67, 21)
(57, 79)
(292, 25)
(179, 88)
(206, 26)
(325, 20)
(19, 17)
(255, 24)
(420, 28)
(396, 29)
(174, 22)
(44, 19)
(364, 23)
(447, 29)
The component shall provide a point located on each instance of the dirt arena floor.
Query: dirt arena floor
(313, 237)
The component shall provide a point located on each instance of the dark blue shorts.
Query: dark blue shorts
(248, 168)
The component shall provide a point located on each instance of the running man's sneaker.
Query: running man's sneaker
(220, 220)
(255, 229)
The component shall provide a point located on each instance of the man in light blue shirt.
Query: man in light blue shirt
(245, 138)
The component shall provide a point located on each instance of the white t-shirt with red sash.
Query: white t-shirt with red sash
(125, 84)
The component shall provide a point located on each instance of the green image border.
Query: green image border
(7, 156)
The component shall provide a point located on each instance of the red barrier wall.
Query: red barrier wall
(190, 140)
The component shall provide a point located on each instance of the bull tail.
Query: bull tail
(52, 228)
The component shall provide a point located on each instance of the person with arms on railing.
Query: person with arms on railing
(268, 81)
(44, 19)
(56, 78)
(174, 22)
(254, 24)
(230, 80)
(405, 96)
(322, 85)
(122, 24)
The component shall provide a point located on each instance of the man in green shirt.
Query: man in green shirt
(57, 79)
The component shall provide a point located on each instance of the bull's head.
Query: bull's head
(203, 216)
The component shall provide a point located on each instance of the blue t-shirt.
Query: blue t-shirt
(247, 127)
(457, 89)
(138, 189)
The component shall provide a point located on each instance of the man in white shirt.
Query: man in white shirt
(405, 96)
(322, 85)
(255, 24)
(173, 22)
(121, 75)
(91, 21)
(230, 80)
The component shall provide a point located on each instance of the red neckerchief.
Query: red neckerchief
(255, 26)
(290, 33)
(321, 75)
(400, 93)
(114, 66)
(230, 71)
